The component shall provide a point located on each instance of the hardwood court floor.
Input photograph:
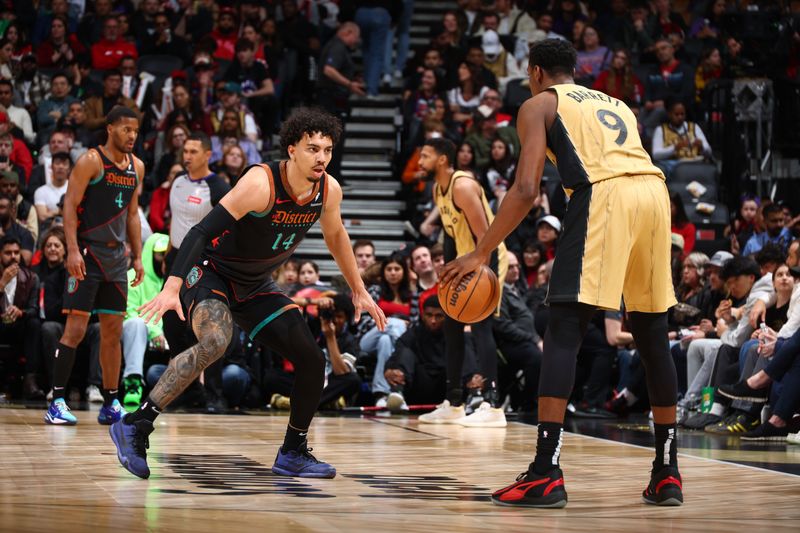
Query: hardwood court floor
(211, 473)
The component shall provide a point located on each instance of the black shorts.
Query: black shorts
(251, 313)
(104, 288)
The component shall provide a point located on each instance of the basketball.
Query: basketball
(473, 298)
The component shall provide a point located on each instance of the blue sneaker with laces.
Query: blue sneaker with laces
(301, 463)
(112, 413)
(58, 414)
(132, 441)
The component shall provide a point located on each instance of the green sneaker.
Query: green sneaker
(133, 392)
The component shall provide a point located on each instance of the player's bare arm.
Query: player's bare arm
(467, 197)
(87, 168)
(134, 225)
(251, 193)
(338, 242)
(532, 121)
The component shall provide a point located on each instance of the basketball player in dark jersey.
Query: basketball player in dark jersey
(101, 212)
(223, 274)
(615, 244)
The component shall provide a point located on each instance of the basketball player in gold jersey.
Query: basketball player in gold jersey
(465, 217)
(615, 243)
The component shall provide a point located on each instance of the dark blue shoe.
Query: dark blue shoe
(132, 442)
(111, 414)
(301, 464)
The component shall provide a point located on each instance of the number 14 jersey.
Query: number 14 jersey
(594, 137)
(258, 243)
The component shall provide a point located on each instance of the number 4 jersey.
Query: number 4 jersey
(595, 137)
(258, 243)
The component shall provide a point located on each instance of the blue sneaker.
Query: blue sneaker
(301, 464)
(132, 441)
(109, 415)
(58, 414)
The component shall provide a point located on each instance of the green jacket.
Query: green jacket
(150, 285)
(483, 146)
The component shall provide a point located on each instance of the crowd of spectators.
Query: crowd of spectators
(232, 70)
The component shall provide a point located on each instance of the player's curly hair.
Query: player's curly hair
(554, 56)
(309, 120)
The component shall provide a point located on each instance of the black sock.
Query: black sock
(64, 360)
(548, 447)
(109, 395)
(666, 447)
(148, 411)
(294, 439)
(454, 397)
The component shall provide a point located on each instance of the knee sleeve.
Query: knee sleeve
(650, 332)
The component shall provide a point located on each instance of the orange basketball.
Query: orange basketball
(473, 298)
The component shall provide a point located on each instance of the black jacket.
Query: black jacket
(515, 323)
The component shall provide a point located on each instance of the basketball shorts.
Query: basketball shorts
(252, 312)
(616, 245)
(104, 288)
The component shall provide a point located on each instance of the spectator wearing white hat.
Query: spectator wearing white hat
(498, 60)
(547, 230)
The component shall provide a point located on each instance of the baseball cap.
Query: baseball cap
(551, 221)
(9, 175)
(719, 259)
(677, 240)
(490, 42)
(162, 242)
(233, 87)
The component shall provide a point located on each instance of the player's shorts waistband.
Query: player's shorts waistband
(102, 244)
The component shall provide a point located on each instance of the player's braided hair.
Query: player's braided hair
(309, 120)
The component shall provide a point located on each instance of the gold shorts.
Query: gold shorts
(615, 245)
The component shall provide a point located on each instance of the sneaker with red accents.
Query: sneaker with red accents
(665, 488)
(534, 490)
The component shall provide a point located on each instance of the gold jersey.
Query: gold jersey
(595, 137)
(457, 228)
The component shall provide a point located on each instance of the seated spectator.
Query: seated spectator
(709, 69)
(97, 107)
(183, 102)
(519, 23)
(47, 198)
(83, 84)
(394, 296)
(6, 59)
(678, 140)
(484, 130)
(499, 173)
(419, 104)
(499, 61)
(339, 346)
(232, 164)
(108, 51)
(465, 159)
(775, 232)
(745, 223)
(287, 274)
(30, 85)
(192, 21)
(465, 98)
(230, 133)
(547, 230)
(544, 22)
(416, 372)
(59, 142)
(164, 42)
(136, 86)
(20, 310)
(257, 87)
(364, 252)
(710, 27)
(225, 34)
(565, 14)
(9, 227)
(432, 60)
(8, 146)
(159, 216)
(136, 335)
(19, 118)
(427, 280)
(90, 27)
(173, 143)
(516, 337)
(26, 214)
(54, 107)
(681, 224)
(16, 35)
(737, 65)
(593, 57)
(413, 177)
(493, 100)
(669, 80)
(595, 363)
(230, 100)
(619, 80)
(76, 119)
(61, 48)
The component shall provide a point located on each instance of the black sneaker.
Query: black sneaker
(665, 488)
(766, 432)
(743, 391)
(735, 424)
(701, 420)
(534, 490)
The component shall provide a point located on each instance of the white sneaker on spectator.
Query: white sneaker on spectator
(49, 396)
(381, 402)
(485, 416)
(396, 403)
(93, 394)
(793, 438)
(443, 414)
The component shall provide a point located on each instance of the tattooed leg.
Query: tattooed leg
(213, 326)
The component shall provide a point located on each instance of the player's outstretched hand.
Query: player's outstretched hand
(166, 300)
(75, 265)
(362, 301)
(139, 270)
(458, 268)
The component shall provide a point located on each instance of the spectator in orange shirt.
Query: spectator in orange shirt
(109, 51)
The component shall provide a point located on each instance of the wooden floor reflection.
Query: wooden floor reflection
(212, 473)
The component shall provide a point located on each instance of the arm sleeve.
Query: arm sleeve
(214, 223)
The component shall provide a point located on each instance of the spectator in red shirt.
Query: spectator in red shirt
(619, 81)
(59, 49)
(107, 53)
(681, 224)
(225, 34)
(18, 154)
